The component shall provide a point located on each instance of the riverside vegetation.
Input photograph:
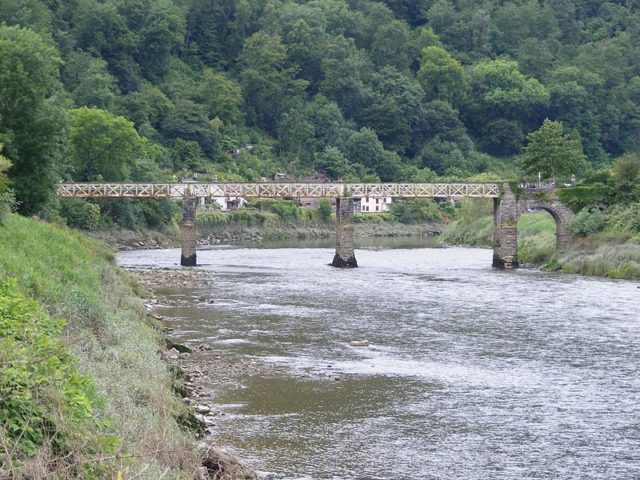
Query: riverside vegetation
(84, 392)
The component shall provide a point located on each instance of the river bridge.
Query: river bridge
(508, 206)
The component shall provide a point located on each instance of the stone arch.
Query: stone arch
(507, 210)
(548, 201)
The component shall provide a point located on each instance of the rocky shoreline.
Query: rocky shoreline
(200, 370)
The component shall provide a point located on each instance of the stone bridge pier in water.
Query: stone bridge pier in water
(507, 210)
(508, 206)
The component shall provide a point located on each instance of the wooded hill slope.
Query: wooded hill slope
(243, 89)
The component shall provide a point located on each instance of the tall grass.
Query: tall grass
(603, 257)
(76, 278)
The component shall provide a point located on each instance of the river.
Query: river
(470, 373)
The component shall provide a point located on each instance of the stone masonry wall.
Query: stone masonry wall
(505, 230)
(345, 235)
(188, 230)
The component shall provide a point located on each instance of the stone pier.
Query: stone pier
(188, 229)
(345, 256)
(505, 230)
(506, 212)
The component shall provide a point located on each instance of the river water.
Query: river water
(470, 373)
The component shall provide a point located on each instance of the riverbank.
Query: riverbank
(603, 254)
(97, 399)
(233, 233)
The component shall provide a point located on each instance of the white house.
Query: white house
(225, 203)
(372, 205)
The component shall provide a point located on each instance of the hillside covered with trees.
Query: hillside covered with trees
(397, 90)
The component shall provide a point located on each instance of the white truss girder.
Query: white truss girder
(276, 190)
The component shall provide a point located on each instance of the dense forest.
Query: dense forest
(358, 89)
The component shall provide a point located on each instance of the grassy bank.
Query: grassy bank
(606, 254)
(109, 410)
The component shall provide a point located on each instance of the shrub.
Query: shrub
(416, 211)
(625, 218)
(373, 217)
(324, 210)
(578, 198)
(587, 222)
(79, 213)
(7, 199)
(44, 400)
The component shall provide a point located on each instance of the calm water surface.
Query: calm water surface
(471, 373)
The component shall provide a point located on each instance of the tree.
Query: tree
(331, 129)
(502, 89)
(553, 153)
(221, 95)
(366, 149)
(394, 109)
(89, 81)
(347, 72)
(626, 175)
(268, 85)
(189, 121)
(440, 75)
(103, 146)
(333, 163)
(6, 195)
(296, 133)
(32, 123)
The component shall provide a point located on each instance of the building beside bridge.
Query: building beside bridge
(371, 204)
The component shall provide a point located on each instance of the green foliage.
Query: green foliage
(284, 209)
(552, 153)
(441, 76)
(31, 121)
(391, 91)
(44, 400)
(76, 278)
(80, 214)
(103, 147)
(7, 200)
(324, 210)
(581, 196)
(609, 259)
(373, 217)
(624, 218)
(626, 176)
(587, 222)
(415, 211)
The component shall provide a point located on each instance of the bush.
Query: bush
(7, 199)
(44, 400)
(578, 198)
(625, 218)
(324, 210)
(373, 217)
(416, 211)
(76, 278)
(588, 221)
(79, 213)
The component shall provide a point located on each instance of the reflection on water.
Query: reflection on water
(471, 373)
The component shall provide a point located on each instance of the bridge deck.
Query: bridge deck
(276, 190)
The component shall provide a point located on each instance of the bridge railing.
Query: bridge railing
(278, 190)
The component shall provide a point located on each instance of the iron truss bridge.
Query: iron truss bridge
(275, 190)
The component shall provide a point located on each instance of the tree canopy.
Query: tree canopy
(249, 88)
